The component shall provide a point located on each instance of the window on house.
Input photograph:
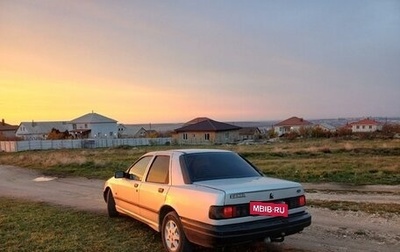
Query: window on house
(184, 136)
(207, 136)
(370, 126)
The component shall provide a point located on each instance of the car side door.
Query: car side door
(127, 193)
(154, 189)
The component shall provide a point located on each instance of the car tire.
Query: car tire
(112, 211)
(172, 234)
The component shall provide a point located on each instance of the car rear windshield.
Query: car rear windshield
(217, 165)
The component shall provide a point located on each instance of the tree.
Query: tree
(271, 133)
(318, 132)
(344, 132)
(390, 129)
(55, 134)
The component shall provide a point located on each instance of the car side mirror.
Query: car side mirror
(119, 174)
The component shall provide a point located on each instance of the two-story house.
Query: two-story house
(93, 125)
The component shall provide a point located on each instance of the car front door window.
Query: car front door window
(153, 191)
(128, 188)
(136, 172)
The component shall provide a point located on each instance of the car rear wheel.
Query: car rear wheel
(173, 237)
(112, 211)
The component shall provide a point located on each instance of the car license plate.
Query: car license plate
(268, 209)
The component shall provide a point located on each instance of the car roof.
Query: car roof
(187, 151)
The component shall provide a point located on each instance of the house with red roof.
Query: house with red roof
(291, 124)
(366, 125)
(206, 131)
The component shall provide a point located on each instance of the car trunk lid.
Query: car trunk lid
(244, 190)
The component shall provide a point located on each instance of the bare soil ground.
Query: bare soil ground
(329, 231)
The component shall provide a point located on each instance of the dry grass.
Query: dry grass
(32, 226)
(372, 208)
(326, 160)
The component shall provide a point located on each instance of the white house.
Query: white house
(131, 131)
(93, 125)
(366, 125)
(39, 130)
(291, 124)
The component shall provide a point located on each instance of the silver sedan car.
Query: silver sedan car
(208, 197)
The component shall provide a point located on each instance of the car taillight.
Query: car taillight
(302, 200)
(242, 210)
(230, 211)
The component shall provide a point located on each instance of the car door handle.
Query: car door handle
(160, 190)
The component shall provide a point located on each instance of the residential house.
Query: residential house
(326, 127)
(39, 130)
(131, 131)
(7, 131)
(249, 133)
(196, 120)
(93, 125)
(206, 131)
(291, 124)
(366, 125)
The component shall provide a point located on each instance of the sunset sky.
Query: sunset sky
(172, 61)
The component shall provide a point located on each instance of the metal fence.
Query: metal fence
(14, 146)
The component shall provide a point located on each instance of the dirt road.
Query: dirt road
(330, 230)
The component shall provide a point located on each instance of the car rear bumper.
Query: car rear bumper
(217, 236)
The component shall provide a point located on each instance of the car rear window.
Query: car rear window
(217, 165)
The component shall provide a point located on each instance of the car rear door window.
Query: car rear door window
(159, 170)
